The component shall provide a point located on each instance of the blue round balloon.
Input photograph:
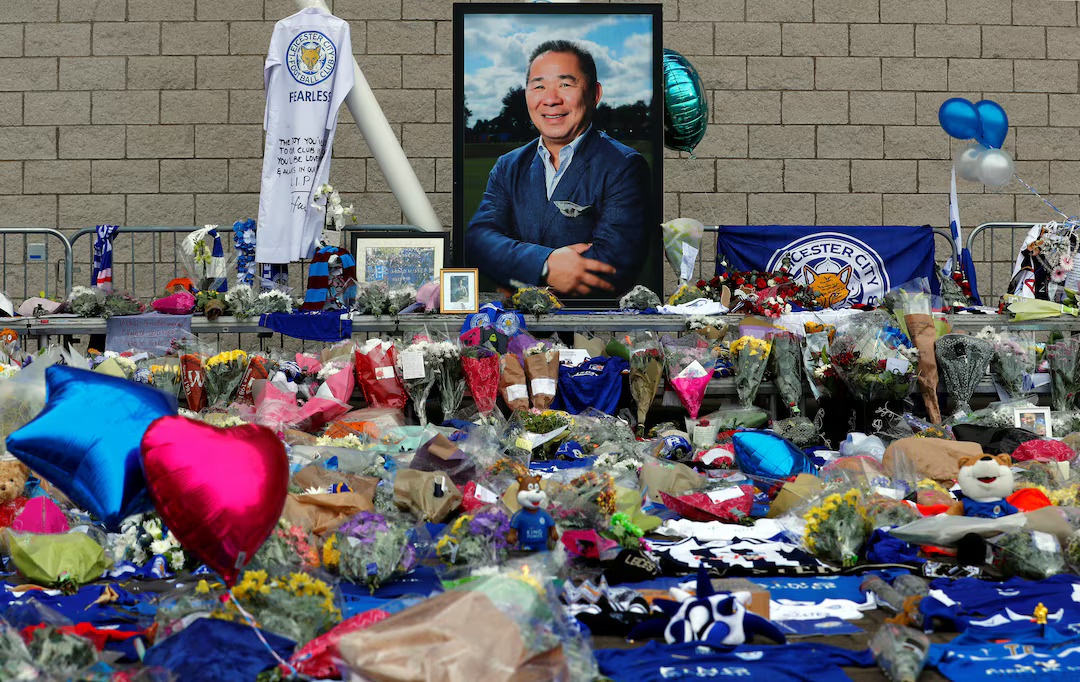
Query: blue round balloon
(993, 124)
(959, 118)
(764, 454)
(86, 440)
(686, 108)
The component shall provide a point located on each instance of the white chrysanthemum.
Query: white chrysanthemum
(160, 547)
(176, 560)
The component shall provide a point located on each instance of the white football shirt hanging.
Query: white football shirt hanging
(308, 73)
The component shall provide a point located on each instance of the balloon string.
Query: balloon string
(258, 633)
(1044, 200)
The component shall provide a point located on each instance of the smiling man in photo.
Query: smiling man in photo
(570, 209)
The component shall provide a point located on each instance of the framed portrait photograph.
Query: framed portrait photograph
(398, 259)
(558, 147)
(459, 290)
(1034, 419)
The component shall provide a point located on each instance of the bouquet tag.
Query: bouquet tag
(724, 494)
(524, 444)
(1045, 541)
(535, 440)
(573, 356)
(689, 260)
(543, 386)
(516, 392)
(412, 365)
(692, 371)
(382, 373)
(897, 365)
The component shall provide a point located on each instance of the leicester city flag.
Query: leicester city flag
(844, 265)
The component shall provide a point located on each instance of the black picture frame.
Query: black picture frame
(362, 240)
(469, 183)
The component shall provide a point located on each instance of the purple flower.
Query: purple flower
(365, 526)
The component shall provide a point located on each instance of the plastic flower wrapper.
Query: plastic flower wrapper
(539, 432)
(874, 358)
(1013, 361)
(1030, 554)
(86, 301)
(786, 362)
(481, 367)
(224, 372)
(205, 268)
(50, 654)
(821, 375)
(121, 303)
(376, 372)
(476, 539)
(646, 369)
(751, 356)
(717, 502)
(686, 293)
(370, 548)
(690, 361)
(143, 537)
(451, 376)
(296, 605)
(1063, 380)
(399, 299)
(542, 370)
(963, 361)
(287, 549)
(592, 428)
(418, 366)
(682, 243)
(65, 561)
(885, 512)
(259, 367)
(586, 501)
(836, 528)
(535, 300)
(639, 298)
(372, 298)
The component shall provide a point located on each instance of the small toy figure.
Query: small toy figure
(531, 525)
(985, 482)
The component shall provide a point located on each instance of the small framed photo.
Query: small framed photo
(398, 258)
(459, 290)
(1034, 419)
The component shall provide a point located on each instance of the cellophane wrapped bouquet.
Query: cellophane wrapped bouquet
(874, 358)
(690, 361)
(418, 365)
(1014, 358)
(376, 371)
(682, 243)
(750, 356)
(786, 362)
(144, 537)
(451, 378)
(224, 372)
(481, 366)
(370, 548)
(837, 527)
(1062, 357)
(476, 539)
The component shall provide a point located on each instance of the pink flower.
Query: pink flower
(1067, 261)
(1059, 274)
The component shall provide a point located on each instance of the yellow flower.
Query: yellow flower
(202, 588)
(830, 506)
(459, 525)
(810, 543)
(834, 498)
(330, 555)
(852, 496)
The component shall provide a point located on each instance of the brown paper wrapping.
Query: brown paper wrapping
(794, 493)
(921, 329)
(314, 476)
(456, 636)
(321, 514)
(429, 494)
(933, 458)
(672, 479)
(594, 344)
(542, 366)
(512, 383)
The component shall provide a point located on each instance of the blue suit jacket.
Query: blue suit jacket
(517, 227)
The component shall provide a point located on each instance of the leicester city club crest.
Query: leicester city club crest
(838, 268)
(311, 58)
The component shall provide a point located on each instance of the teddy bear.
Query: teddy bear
(985, 481)
(13, 477)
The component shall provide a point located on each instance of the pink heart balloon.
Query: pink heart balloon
(220, 491)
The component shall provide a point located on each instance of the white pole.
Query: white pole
(385, 147)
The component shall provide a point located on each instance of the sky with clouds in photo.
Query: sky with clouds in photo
(497, 48)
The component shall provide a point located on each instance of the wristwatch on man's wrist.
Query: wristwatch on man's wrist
(544, 274)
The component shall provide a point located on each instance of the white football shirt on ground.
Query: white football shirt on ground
(308, 73)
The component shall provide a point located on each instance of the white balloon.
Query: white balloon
(967, 161)
(995, 167)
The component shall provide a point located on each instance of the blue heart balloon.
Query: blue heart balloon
(86, 440)
(993, 123)
(959, 118)
(766, 455)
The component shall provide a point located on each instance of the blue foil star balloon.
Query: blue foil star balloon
(86, 440)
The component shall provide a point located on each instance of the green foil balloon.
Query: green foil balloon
(686, 109)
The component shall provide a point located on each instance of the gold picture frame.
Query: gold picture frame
(459, 290)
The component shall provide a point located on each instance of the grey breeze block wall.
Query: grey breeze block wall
(148, 112)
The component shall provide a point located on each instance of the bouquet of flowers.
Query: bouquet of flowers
(143, 537)
(682, 243)
(639, 298)
(685, 294)
(915, 307)
(481, 367)
(193, 378)
(512, 387)
(224, 372)
(542, 370)
(874, 358)
(884, 512)
(86, 301)
(289, 548)
(786, 361)
(369, 549)
(372, 298)
(296, 606)
(451, 378)
(963, 361)
(272, 301)
(1030, 554)
(121, 303)
(336, 214)
(240, 300)
(376, 362)
(751, 355)
(536, 300)
(478, 538)
(586, 502)
(689, 369)
(259, 367)
(837, 529)
(1012, 361)
(419, 369)
(400, 299)
(646, 368)
(1062, 359)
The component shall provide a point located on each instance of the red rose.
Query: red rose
(700, 284)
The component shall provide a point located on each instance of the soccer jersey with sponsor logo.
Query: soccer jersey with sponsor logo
(1027, 652)
(597, 383)
(308, 73)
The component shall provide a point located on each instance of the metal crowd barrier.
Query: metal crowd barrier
(36, 264)
(987, 243)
